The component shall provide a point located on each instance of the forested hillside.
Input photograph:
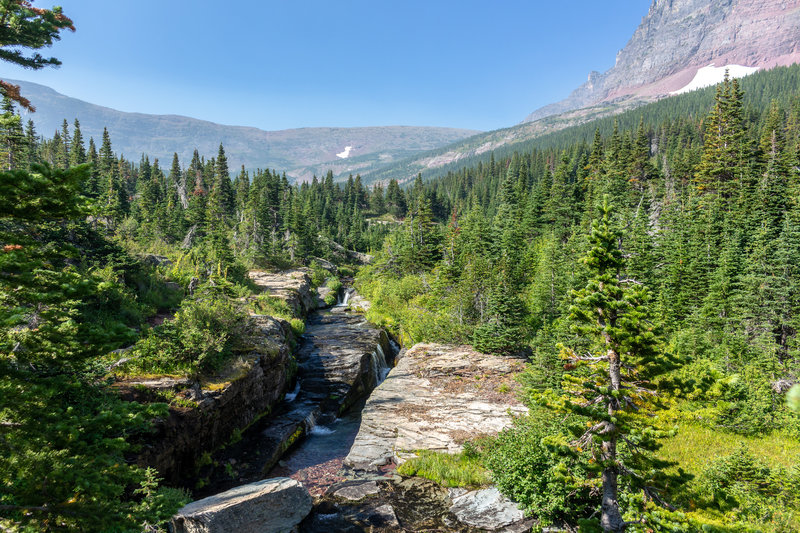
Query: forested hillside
(698, 211)
(97, 252)
(561, 131)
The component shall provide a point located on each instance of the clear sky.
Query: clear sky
(277, 64)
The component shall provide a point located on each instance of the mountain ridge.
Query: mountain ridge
(300, 152)
(677, 38)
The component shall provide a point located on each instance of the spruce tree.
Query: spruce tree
(77, 153)
(13, 143)
(612, 388)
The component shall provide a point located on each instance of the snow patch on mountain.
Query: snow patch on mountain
(345, 154)
(711, 75)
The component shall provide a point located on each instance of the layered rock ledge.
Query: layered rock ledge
(213, 409)
(435, 398)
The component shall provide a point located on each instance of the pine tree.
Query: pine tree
(612, 388)
(77, 153)
(32, 143)
(13, 143)
(722, 165)
(66, 145)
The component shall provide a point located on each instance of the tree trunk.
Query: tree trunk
(611, 518)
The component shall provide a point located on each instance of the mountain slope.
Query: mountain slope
(566, 129)
(678, 38)
(300, 152)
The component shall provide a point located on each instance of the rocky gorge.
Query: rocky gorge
(304, 433)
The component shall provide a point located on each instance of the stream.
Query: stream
(341, 358)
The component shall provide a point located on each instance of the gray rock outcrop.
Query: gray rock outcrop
(437, 397)
(486, 509)
(211, 410)
(291, 286)
(275, 505)
(677, 37)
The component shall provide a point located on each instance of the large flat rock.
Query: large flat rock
(271, 506)
(291, 286)
(436, 398)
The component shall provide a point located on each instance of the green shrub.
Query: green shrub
(334, 285)
(298, 326)
(318, 274)
(264, 304)
(198, 340)
(745, 489)
(525, 467)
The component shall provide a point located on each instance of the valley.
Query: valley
(588, 321)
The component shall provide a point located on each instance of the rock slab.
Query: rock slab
(437, 397)
(271, 506)
(486, 509)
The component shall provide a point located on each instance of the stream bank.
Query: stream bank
(341, 358)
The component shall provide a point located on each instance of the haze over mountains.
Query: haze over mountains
(300, 152)
(680, 45)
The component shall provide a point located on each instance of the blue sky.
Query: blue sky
(287, 64)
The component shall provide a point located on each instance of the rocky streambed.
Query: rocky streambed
(341, 358)
(323, 458)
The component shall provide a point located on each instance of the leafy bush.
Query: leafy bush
(298, 326)
(525, 467)
(199, 339)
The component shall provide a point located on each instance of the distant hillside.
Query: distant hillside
(300, 152)
(480, 146)
(561, 131)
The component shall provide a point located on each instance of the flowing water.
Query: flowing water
(340, 359)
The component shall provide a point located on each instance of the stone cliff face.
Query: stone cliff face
(678, 37)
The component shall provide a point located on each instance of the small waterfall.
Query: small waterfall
(312, 425)
(378, 364)
(310, 422)
(342, 302)
(291, 396)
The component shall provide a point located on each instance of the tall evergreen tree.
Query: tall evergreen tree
(612, 388)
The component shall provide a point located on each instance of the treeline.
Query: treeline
(711, 223)
(255, 218)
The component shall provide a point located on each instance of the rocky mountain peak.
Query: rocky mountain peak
(677, 38)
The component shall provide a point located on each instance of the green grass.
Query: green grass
(695, 446)
(264, 304)
(450, 470)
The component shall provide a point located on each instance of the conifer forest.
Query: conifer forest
(643, 270)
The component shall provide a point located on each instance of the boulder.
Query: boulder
(291, 286)
(156, 260)
(322, 293)
(357, 491)
(486, 509)
(275, 505)
(327, 265)
(435, 398)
